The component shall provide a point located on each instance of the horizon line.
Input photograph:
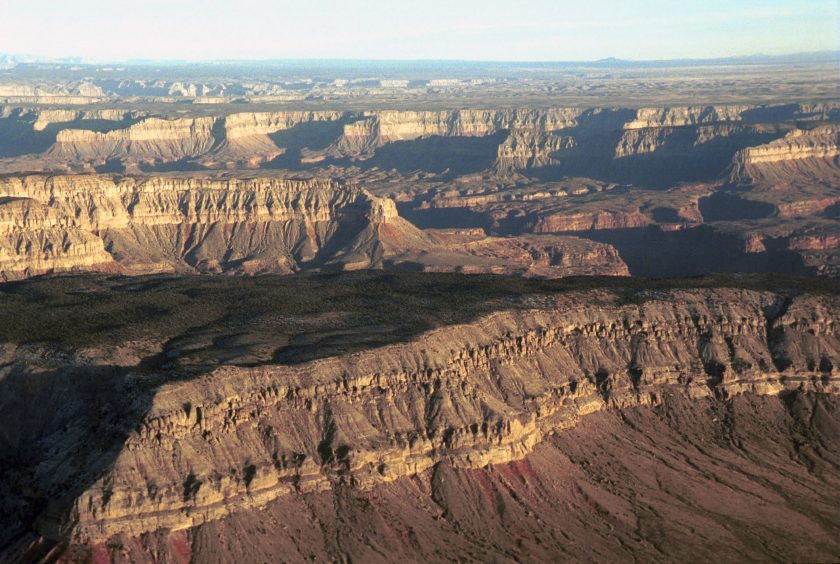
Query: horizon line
(85, 60)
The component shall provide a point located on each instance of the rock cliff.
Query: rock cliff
(151, 139)
(511, 172)
(487, 392)
(801, 155)
(141, 224)
(164, 223)
(568, 140)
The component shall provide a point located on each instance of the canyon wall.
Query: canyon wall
(176, 223)
(151, 138)
(510, 172)
(469, 395)
(54, 223)
(802, 155)
(571, 140)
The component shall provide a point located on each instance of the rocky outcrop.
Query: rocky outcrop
(47, 118)
(621, 485)
(151, 139)
(137, 224)
(81, 92)
(401, 126)
(36, 239)
(242, 125)
(530, 149)
(808, 206)
(486, 392)
(164, 223)
(814, 242)
(804, 155)
(558, 223)
(545, 256)
(244, 137)
(364, 135)
(690, 115)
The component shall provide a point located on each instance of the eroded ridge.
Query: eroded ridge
(471, 395)
(160, 224)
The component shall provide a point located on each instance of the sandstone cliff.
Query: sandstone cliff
(587, 221)
(801, 155)
(151, 139)
(164, 223)
(567, 140)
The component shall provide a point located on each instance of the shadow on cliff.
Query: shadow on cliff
(726, 206)
(62, 429)
(773, 114)
(446, 156)
(663, 168)
(679, 154)
(651, 252)
(442, 218)
(18, 136)
(310, 136)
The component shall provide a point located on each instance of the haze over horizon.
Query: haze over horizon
(436, 30)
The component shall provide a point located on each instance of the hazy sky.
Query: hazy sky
(430, 29)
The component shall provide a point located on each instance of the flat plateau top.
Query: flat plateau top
(204, 320)
(229, 88)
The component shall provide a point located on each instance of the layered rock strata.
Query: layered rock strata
(801, 155)
(164, 223)
(468, 395)
(570, 138)
(263, 224)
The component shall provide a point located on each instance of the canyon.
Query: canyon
(579, 139)
(321, 311)
(622, 190)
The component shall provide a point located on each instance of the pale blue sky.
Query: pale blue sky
(431, 29)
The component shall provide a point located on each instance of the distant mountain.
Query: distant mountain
(757, 59)
(10, 60)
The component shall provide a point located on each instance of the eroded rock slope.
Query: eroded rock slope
(148, 224)
(209, 445)
(621, 143)
(159, 224)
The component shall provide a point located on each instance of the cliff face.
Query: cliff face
(508, 171)
(47, 118)
(402, 126)
(152, 138)
(539, 138)
(801, 155)
(148, 224)
(647, 482)
(159, 223)
(531, 149)
(589, 221)
(486, 392)
(569, 140)
(245, 138)
(681, 117)
(242, 125)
